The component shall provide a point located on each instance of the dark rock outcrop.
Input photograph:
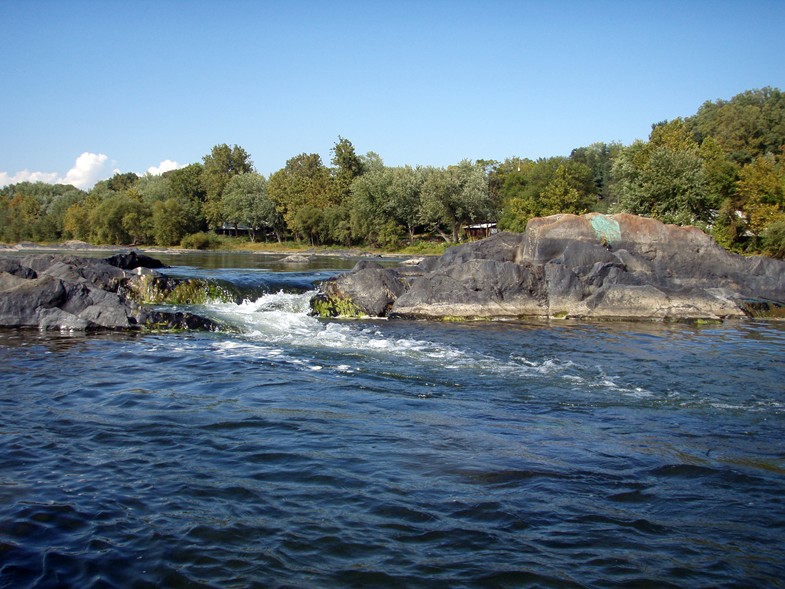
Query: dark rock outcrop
(369, 290)
(51, 291)
(590, 266)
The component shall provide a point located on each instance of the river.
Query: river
(290, 451)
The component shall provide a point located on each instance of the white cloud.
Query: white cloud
(27, 176)
(88, 169)
(164, 166)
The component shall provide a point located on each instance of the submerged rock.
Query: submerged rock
(568, 266)
(51, 291)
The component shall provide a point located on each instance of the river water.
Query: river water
(288, 451)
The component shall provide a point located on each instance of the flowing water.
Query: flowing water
(288, 451)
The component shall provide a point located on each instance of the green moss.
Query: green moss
(196, 292)
(327, 306)
(153, 290)
(708, 321)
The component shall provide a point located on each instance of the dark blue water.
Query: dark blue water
(296, 452)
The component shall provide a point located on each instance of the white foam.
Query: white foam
(278, 326)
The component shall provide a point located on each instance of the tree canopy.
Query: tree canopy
(722, 169)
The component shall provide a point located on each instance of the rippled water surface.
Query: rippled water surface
(289, 451)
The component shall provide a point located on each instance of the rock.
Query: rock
(296, 259)
(368, 291)
(134, 259)
(475, 288)
(13, 267)
(76, 244)
(51, 291)
(22, 300)
(590, 266)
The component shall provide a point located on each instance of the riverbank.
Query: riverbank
(272, 249)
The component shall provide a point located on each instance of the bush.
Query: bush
(201, 241)
(774, 240)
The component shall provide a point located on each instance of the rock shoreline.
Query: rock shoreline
(567, 266)
(71, 292)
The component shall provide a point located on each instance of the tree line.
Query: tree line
(722, 169)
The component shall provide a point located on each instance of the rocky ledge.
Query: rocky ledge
(567, 266)
(55, 291)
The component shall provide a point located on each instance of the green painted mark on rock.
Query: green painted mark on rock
(606, 229)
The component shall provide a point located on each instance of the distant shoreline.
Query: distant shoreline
(75, 247)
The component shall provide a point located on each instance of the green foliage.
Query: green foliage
(153, 189)
(721, 169)
(149, 289)
(336, 225)
(599, 157)
(308, 222)
(302, 184)
(201, 241)
(545, 187)
(348, 166)
(120, 182)
(747, 126)
(35, 211)
(454, 196)
(222, 163)
(246, 203)
(761, 194)
(170, 222)
(774, 240)
(120, 219)
(665, 178)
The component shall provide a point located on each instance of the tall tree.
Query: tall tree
(664, 178)
(347, 166)
(749, 125)
(220, 165)
(454, 196)
(545, 187)
(246, 202)
(302, 183)
(186, 186)
(761, 191)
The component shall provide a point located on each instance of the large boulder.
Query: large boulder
(590, 266)
(369, 290)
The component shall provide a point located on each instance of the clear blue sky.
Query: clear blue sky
(418, 82)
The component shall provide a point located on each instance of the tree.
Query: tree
(664, 178)
(220, 166)
(404, 197)
(562, 194)
(246, 202)
(35, 210)
(120, 219)
(186, 186)
(153, 189)
(120, 182)
(348, 166)
(598, 157)
(454, 196)
(749, 125)
(302, 183)
(545, 187)
(761, 190)
(170, 222)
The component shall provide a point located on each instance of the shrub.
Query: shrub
(774, 240)
(201, 241)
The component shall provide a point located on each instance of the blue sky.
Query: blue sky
(93, 87)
